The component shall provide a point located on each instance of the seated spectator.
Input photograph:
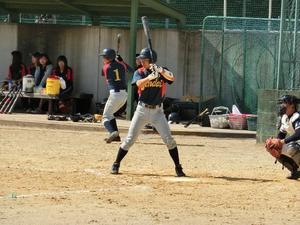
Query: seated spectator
(63, 71)
(34, 63)
(31, 103)
(43, 71)
(65, 74)
(17, 70)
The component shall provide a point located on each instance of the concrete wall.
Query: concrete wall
(177, 50)
(8, 43)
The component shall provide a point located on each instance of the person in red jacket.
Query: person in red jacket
(65, 73)
(17, 70)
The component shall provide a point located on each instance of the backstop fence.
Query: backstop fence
(241, 55)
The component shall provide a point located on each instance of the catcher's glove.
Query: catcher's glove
(274, 147)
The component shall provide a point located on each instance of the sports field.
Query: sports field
(62, 177)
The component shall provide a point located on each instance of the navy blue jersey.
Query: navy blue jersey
(153, 92)
(114, 73)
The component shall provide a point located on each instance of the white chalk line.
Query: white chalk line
(138, 188)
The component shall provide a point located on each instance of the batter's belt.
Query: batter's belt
(149, 106)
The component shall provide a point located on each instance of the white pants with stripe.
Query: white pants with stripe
(155, 117)
(114, 102)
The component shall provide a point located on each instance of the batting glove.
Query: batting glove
(156, 68)
(153, 75)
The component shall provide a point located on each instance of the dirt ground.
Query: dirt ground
(62, 177)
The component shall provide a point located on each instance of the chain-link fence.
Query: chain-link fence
(238, 57)
(289, 48)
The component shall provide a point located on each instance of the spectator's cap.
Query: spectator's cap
(36, 54)
(137, 55)
(108, 53)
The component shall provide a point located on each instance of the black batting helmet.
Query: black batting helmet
(146, 54)
(108, 53)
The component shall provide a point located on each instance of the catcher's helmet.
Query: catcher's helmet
(288, 99)
(109, 53)
(146, 54)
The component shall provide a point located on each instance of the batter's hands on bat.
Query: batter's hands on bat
(119, 58)
(153, 75)
(156, 68)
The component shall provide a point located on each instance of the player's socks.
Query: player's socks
(121, 155)
(113, 123)
(108, 126)
(174, 154)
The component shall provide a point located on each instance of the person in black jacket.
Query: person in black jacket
(63, 71)
(31, 68)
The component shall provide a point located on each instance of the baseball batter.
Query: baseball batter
(151, 81)
(114, 73)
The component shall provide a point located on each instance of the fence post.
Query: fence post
(295, 43)
(279, 64)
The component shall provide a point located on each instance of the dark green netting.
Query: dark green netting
(239, 56)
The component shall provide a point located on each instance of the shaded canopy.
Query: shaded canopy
(151, 8)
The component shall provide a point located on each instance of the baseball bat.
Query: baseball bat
(145, 23)
(205, 111)
(6, 97)
(118, 42)
(12, 106)
(8, 100)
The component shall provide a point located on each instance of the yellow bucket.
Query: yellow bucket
(52, 85)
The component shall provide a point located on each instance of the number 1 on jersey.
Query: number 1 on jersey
(117, 75)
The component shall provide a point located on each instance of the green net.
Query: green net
(195, 11)
(289, 71)
(238, 57)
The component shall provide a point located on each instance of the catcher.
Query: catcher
(286, 147)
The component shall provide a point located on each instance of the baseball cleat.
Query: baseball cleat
(179, 171)
(114, 136)
(294, 175)
(115, 168)
(116, 139)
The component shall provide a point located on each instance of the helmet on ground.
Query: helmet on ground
(108, 53)
(146, 54)
(174, 117)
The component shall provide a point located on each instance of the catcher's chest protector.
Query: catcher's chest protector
(287, 123)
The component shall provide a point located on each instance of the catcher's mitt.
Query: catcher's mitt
(274, 147)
